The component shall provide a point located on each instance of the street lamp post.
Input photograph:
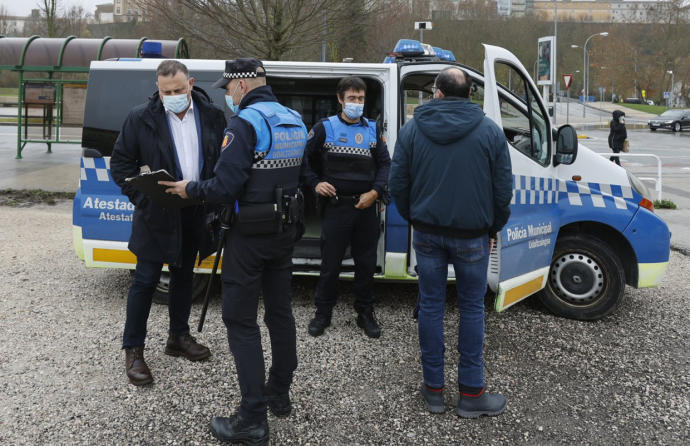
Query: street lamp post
(671, 92)
(585, 69)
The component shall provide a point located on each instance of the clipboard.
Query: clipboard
(147, 183)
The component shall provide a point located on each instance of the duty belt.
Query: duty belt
(343, 199)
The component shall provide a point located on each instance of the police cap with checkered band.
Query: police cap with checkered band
(242, 68)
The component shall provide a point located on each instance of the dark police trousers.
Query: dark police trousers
(256, 265)
(344, 225)
(146, 277)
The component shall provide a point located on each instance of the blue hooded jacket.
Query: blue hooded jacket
(451, 171)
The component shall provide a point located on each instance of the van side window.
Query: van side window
(417, 91)
(523, 118)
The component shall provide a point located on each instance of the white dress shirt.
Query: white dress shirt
(184, 132)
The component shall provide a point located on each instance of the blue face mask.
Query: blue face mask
(230, 101)
(176, 103)
(353, 111)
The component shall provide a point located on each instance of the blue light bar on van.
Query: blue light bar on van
(389, 59)
(409, 47)
(444, 54)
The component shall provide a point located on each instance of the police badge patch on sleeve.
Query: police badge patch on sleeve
(227, 140)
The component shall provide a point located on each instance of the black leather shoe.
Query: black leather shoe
(135, 367)
(238, 430)
(367, 321)
(278, 403)
(186, 346)
(319, 324)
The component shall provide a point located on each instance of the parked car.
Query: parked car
(675, 119)
(649, 102)
(633, 101)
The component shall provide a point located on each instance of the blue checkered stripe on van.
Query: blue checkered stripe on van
(529, 190)
(95, 169)
(534, 190)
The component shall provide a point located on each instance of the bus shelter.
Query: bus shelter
(52, 76)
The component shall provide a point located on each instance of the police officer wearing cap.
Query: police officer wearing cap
(259, 168)
(347, 166)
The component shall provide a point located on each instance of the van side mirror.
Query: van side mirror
(566, 145)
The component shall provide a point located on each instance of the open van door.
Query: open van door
(519, 265)
(415, 81)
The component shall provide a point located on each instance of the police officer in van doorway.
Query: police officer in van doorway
(259, 167)
(178, 130)
(348, 164)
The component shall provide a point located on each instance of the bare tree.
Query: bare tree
(6, 25)
(269, 29)
(49, 10)
(73, 22)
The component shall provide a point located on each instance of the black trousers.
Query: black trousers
(615, 159)
(344, 225)
(254, 265)
(146, 277)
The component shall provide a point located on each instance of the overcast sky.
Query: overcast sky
(24, 7)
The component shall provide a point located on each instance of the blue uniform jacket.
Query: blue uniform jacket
(237, 155)
(314, 154)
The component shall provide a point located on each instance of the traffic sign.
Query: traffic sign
(567, 80)
(422, 25)
(667, 95)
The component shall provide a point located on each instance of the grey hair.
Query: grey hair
(171, 68)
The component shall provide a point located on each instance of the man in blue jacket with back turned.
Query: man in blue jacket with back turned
(451, 179)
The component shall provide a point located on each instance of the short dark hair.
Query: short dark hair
(450, 84)
(170, 68)
(350, 83)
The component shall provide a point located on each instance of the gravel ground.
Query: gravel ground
(623, 380)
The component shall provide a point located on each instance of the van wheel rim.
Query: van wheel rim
(577, 278)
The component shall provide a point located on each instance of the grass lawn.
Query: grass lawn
(8, 91)
(655, 109)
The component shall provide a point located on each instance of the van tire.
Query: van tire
(199, 283)
(586, 280)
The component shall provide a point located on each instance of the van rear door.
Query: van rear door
(520, 264)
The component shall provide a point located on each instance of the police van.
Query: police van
(581, 227)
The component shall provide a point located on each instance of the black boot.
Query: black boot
(367, 321)
(278, 403)
(237, 429)
(481, 403)
(319, 324)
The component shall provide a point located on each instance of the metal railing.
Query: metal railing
(657, 180)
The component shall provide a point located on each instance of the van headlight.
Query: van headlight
(639, 187)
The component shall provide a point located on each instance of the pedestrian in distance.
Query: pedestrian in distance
(178, 130)
(259, 168)
(451, 179)
(347, 167)
(617, 134)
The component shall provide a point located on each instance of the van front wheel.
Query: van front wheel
(586, 279)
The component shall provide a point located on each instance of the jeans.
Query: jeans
(470, 258)
(146, 277)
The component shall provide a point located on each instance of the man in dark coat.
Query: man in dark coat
(178, 130)
(451, 179)
(617, 134)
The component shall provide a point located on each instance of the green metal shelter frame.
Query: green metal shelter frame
(57, 57)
